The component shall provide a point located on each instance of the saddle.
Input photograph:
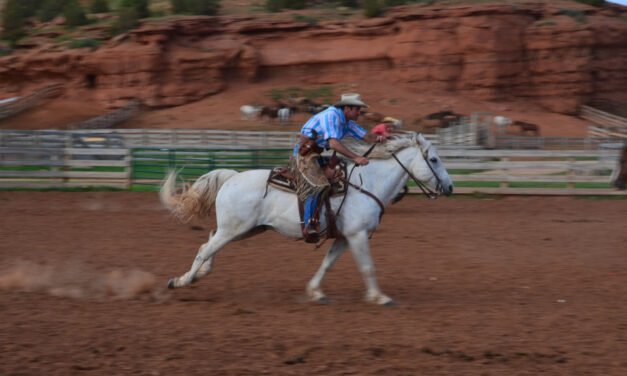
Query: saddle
(283, 178)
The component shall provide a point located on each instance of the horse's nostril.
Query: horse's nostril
(450, 188)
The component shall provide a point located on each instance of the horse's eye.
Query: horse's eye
(433, 160)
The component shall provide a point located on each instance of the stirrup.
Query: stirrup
(311, 234)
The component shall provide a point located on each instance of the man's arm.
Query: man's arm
(336, 145)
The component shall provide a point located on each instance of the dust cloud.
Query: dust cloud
(77, 281)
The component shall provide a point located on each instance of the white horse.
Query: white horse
(284, 114)
(243, 209)
(248, 112)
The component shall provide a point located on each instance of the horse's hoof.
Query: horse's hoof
(390, 303)
(171, 283)
(323, 300)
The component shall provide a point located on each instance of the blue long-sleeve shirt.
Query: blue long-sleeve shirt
(331, 123)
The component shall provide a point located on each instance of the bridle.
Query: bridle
(428, 192)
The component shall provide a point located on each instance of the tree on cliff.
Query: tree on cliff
(277, 5)
(139, 6)
(74, 14)
(205, 7)
(372, 8)
(71, 9)
(99, 6)
(14, 17)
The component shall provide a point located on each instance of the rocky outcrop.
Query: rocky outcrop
(559, 57)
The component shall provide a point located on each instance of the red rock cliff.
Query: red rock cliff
(555, 56)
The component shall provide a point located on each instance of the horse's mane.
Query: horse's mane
(397, 141)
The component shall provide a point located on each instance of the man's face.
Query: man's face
(352, 112)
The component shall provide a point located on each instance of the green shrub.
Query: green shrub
(595, 3)
(99, 6)
(74, 14)
(50, 9)
(275, 5)
(5, 51)
(204, 7)
(349, 3)
(296, 4)
(140, 7)
(83, 43)
(393, 3)
(577, 15)
(13, 22)
(127, 20)
(302, 18)
(14, 15)
(372, 8)
(178, 6)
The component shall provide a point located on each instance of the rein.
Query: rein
(369, 194)
(347, 180)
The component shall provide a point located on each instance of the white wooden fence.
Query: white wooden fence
(537, 172)
(64, 167)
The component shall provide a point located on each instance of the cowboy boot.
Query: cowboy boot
(311, 232)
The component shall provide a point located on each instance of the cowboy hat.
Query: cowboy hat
(351, 99)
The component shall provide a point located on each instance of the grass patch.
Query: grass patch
(84, 43)
(477, 184)
(577, 15)
(306, 19)
(323, 93)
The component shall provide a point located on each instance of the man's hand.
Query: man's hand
(361, 161)
(372, 138)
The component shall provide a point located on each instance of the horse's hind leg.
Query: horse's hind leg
(202, 263)
(313, 287)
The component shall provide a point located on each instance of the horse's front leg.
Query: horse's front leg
(314, 292)
(361, 253)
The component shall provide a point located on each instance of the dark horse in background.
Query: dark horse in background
(619, 177)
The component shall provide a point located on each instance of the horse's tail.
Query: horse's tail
(193, 202)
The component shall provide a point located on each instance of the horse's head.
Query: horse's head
(619, 177)
(429, 169)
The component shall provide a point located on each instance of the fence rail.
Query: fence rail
(606, 135)
(605, 119)
(163, 138)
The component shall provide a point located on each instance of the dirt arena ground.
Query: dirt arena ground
(498, 286)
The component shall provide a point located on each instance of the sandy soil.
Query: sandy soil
(512, 286)
(221, 111)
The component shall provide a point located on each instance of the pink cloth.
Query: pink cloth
(381, 130)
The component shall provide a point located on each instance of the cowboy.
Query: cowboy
(327, 129)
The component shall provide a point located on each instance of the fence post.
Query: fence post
(128, 169)
(171, 159)
(571, 173)
(505, 183)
